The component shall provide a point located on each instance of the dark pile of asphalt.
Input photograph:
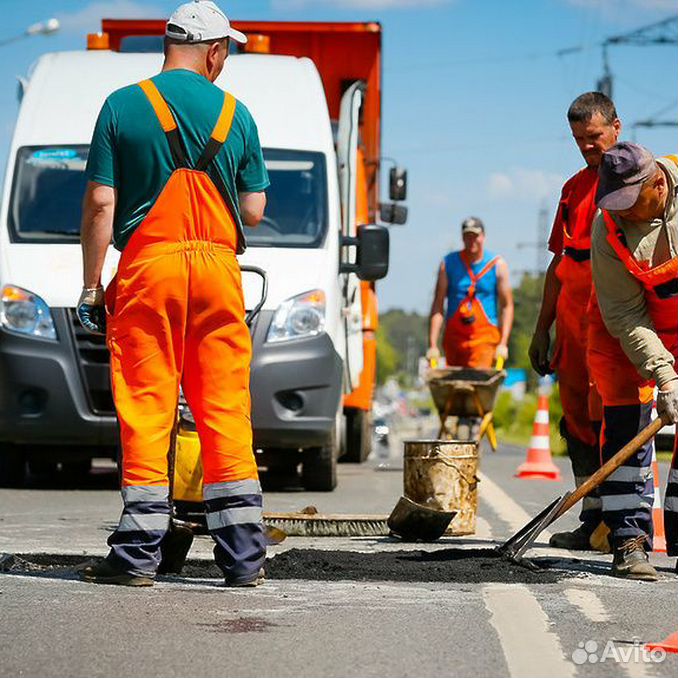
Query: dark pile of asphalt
(444, 565)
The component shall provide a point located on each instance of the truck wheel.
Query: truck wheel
(319, 468)
(12, 466)
(358, 436)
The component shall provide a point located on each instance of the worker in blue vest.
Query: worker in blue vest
(474, 301)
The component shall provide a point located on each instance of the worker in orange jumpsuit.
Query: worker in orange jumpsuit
(474, 301)
(633, 340)
(567, 288)
(175, 165)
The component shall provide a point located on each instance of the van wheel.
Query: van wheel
(358, 436)
(319, 468)
(12, 466)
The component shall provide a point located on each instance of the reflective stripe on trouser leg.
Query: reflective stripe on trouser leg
(234, 519)
(135, 544)
(671, 504)
(627, 495)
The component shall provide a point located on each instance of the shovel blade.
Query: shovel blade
(412, 521)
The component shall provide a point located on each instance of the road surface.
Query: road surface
(581, 622)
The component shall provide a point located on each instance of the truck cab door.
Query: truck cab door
(347, 157)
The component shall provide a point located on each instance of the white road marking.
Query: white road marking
(588, 603)
(483, 529)
(531, 649)
(592, 607)
(506, 507)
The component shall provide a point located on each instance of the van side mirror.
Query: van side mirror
(372, 254)
(397, 184)
(393, 213)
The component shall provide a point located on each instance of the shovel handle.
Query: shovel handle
(611, 465)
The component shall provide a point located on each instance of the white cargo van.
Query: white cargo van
(55, 397)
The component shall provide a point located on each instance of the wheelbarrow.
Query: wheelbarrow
(465, 392)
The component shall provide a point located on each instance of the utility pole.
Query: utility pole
(541, 244)
(663, 32)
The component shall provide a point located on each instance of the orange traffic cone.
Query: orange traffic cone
(657, 510)
(539, 464)
(669, 644)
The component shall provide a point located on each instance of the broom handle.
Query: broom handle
(611, 465)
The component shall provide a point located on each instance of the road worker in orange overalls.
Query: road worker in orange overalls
(633, 340)
(567, 289)
(175, 167)
(474, 302)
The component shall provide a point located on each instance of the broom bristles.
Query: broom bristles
(301, 525)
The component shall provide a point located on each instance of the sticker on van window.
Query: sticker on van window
(58, 158)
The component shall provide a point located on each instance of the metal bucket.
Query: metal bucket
(442, 474)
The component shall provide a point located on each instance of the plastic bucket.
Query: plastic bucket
(443, 474)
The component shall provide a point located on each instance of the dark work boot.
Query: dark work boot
(105, 573)
(577, 540)
(631, 561)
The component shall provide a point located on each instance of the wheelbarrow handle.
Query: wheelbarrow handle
(254, 312)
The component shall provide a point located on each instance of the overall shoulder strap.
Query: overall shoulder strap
(614, 237)
(167, 122)
(488, 267)
(219, 133)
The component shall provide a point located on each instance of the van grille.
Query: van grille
(94, 363)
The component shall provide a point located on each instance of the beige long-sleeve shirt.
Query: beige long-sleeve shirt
(621, 297)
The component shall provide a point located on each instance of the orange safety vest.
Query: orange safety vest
(576, 211)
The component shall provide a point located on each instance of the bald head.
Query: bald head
(205, 58)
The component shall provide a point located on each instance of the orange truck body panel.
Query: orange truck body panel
(343, 53)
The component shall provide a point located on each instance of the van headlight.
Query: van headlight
(300, 316)
(26, 313)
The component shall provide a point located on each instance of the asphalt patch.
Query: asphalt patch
(466, 566)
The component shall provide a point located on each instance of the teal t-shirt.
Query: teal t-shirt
(130, 152)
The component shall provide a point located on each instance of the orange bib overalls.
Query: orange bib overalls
(582, 409)
(470, 338)
(627, 400)
(177, 319)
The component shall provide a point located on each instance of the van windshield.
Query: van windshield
(49, 182)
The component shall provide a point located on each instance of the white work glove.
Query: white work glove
(433, 354)
(667, 402)
(501, 352)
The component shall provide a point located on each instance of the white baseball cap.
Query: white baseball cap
(201, 21)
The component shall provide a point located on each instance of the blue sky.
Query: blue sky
(475, 96)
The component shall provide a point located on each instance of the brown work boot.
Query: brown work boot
(631, 561)
(105, 573)
(257, 580)
(577, 540)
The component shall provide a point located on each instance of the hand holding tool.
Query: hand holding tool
(501, 354)
(91, 311)
(667, 402)
(433, 356)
